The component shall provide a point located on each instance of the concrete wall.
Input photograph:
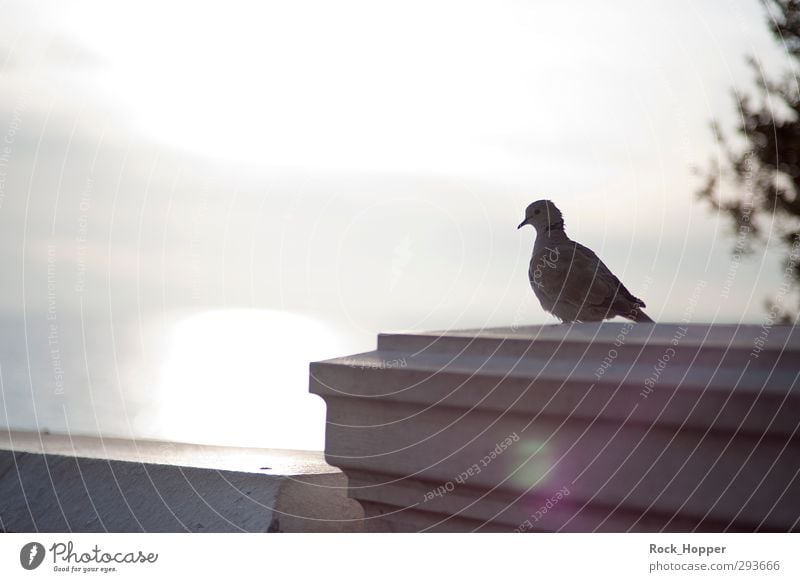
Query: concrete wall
(54, 483)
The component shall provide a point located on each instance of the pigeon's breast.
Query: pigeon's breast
(540, 274)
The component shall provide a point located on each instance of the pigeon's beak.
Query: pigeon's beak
(523, 223)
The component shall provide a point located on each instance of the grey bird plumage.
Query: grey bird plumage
(569, 280)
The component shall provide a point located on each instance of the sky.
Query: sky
(198, 199)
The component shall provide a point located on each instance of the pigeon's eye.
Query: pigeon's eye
(536, 211)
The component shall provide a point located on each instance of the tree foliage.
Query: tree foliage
(756, 182)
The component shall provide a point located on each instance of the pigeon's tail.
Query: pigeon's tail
(639, 316)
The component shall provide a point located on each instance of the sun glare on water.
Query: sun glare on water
(241, 377)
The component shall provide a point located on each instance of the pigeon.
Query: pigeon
(569, 280)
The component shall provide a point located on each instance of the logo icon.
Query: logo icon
(31, 555)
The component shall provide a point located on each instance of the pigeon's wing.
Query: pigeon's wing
(575, 275)
(612, 280)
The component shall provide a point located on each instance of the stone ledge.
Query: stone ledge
(711, 445)
(59, 483)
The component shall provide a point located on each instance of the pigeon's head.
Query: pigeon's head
(542, 215)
